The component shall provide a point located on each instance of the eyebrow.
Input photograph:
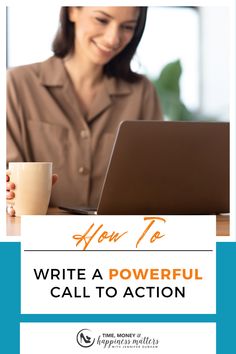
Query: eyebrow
(107, 15)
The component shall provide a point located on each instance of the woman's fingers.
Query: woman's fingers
(10, 195)
(9, 189)
(10, 211)
(10, 186)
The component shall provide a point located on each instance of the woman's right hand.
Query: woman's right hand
(10, 194)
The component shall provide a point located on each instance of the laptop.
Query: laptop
(166, 168)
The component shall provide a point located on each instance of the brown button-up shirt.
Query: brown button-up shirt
(45, 123)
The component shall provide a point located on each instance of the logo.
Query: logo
(85, 338)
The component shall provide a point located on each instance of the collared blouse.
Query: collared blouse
(45, 123)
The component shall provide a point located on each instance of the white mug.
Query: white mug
(33, 184)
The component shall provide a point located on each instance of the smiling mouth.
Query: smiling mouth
(105, 50)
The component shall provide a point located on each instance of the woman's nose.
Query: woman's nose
(112, 37)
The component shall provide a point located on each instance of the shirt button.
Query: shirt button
(84, 134)
(83, 170)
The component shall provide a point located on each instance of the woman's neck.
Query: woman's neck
(87, 80)
(82, 73)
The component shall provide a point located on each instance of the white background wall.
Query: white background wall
(215, 61)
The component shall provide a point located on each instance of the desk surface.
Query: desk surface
(13, 223)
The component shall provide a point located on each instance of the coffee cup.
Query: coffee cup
(33, 184)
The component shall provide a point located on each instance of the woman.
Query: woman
(67, 109)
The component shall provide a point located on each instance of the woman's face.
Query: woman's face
(102, 32)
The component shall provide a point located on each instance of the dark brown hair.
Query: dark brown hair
(119, 66)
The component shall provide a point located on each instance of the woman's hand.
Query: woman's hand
(10, 194)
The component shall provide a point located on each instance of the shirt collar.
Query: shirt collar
(52, 73)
